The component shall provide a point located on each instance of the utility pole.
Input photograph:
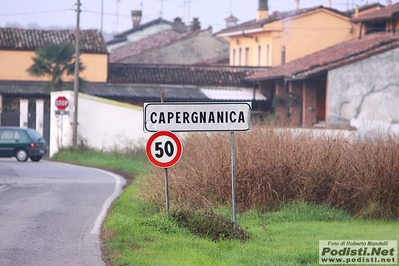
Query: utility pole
(76, 80)
(102, 15)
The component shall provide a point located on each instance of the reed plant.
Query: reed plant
(281, 165)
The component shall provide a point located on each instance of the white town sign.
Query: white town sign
(197, 116)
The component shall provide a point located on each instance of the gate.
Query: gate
(10, 119)
(32, 120)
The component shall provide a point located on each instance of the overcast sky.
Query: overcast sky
(116, 13)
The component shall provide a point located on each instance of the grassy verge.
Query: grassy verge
(136, 233)
(127, 164)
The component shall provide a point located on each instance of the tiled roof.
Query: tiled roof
(179, 74)
(384, 13)
(253, 24)
(364, 8)
(145, 92)
(147, 44)
(332, 57)
(91, 41)
(23, 88)
(139, 91)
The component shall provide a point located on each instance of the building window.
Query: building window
(375, 27)
(239, 56)
(259, 54)
(246, 56)
(233, 57)
(267, 55)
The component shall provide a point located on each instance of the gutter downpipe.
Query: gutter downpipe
(286, 80)
(360, 31)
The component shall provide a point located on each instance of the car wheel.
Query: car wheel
(22, 155)
(35, 158)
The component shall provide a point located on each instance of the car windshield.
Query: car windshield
(35, 136)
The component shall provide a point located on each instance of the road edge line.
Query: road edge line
(120, 182)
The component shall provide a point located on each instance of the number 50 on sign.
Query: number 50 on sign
(164, 149)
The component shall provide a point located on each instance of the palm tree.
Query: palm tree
(55, 61)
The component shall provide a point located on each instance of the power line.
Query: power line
(36, 13)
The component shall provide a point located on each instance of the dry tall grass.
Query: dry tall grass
(274, 165)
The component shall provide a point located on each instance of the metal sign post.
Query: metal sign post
(166, 172)
(164, 149)
(166, 190)
(233, 182)
(62, 127)
(61, 103)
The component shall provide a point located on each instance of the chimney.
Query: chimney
(195, 24)
(136, 17)
(297, 4)
(263, 10)
(178, 26)
(389, 2)
(356, 11)
(329, 3)
(231, 21)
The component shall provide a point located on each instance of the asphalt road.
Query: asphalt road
(51, 213)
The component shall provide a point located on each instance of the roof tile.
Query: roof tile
(179, 74)
(142, 92)
(90, 41)
(381, 14)
(147, 44)
(331, 57)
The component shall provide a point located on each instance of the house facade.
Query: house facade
(274, 39)
(338, 86)
(18, 46)
(23, 100)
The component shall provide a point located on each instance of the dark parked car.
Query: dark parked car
(22, 143)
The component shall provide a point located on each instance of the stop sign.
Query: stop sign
(61, 102)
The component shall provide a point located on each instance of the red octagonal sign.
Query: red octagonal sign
(164, 149)
(61, 103)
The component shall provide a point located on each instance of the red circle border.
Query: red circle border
(178, 144)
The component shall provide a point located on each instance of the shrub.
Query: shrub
(280, 165)
(208, 224)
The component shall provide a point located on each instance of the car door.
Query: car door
(3, 148)
(9, 139)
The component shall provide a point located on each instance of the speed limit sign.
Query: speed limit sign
(164, 149)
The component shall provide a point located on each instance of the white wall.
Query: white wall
(102, 124)
(138, 35)
(23, 112)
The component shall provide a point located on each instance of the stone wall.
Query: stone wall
(367, 90)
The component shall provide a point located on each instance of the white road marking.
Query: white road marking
(120, 182)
